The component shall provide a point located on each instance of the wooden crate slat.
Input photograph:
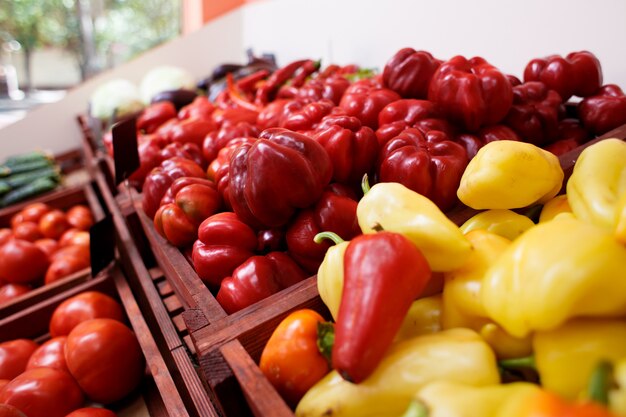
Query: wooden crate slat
(197, 391)
(165, 289)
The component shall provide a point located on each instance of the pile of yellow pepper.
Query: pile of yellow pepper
(551, 295)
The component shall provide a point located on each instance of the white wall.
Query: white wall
(367, 32)
(53, 126)
(506, 33)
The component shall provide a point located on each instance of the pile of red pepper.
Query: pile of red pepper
(278, 157)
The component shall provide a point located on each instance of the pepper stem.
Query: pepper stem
(600, 382)
(416, 409)
(319, 238)
(515, 363)
(365, 184)
(326, 340)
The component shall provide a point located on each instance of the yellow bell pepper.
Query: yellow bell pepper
(555, 271)
(449, 399)
(330, 272)
(598, 182)
(424, 317)
(505, 223)
(566, 357)
(462, 303)
(617, 396)
(457, 355)
(554, 207)
(508, 174)
(620, 227)
(395, 208)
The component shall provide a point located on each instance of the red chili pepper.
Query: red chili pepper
(265, 93)
(247, 83)
(308, 68)
(224, 242)
(155, 115)
(409, 72)
(365, 99)
(535, 113)
(377, 293)
(603, 111)
(352, 148)
(237, 96)
(471, 93)
(258, 278)
(334, 212)
(472, 142)
(160, 179)
(402, 114)
(216, 140)
(579, 73)
(430, 165)
(278, 174)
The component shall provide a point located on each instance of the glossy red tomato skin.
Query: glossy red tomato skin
(82, 307)
(14, 355)
(43, 392)
(5, 235)
(33, 212)
(80, 217)
(105, 358)
(53, 224)
(7, 410)
(10, 291)
(22, 262)
(50, 355)
(63, 267)
(91, 412)
(49, 246)
(27, 231)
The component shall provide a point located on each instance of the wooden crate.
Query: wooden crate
(33, 321)
(160, 306)
(62, 199)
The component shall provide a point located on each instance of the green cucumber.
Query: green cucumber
(26, 158)
(18, 180)
(5, 171)
(4, 187)
(38, 186)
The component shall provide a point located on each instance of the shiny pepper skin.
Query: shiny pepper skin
(409, 72)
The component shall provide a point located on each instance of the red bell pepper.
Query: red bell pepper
(603, 111)
(352, 148)
(409, 72)
(192, 130)
(562, 146)
(471, 93)
(308, 117)
(278, 174)
(573, 129)
(234, 116)
(200, 108)
(155, 115)
(224, 242)
(195, 199)
(149, 149)
(329, 88)
(579, 74)
(472, 142)
(274, 113)
(267, 91)
(271, 240)
(513, 80)
(377, 293)
(160, 179)
(402, 114)
(334, 212)
(217, 139)
(187, 150)
(365, 99)
(219, 168)
(430, 165)
(256, 279)
(535, 113)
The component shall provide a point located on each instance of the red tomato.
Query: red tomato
(105, 358)
(63, 267)
(3, 382)
(84, 306)
(79, 251)
(16, 219)
(50, 246)
(14, 356)
(91, 412)
(5, 235)
(22, 262)
(43, 392)
(49, 355)
(53, 224)
(33, 212)
(11, 291)
(74, 237)
(7, 410)
(27, 231)
(80, 217)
